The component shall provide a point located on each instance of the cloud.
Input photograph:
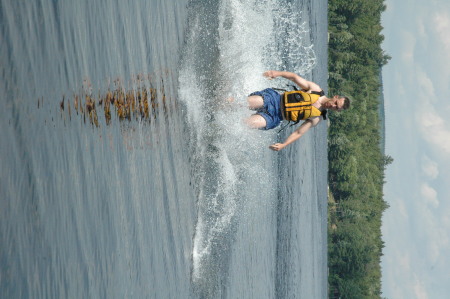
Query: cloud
(435, 130)
(436, 46)
(437, 133)
(419, 289)
(401, 209)
(404, 280)
(404, 262)
(430, 195)
(446, 220)
(425, 84)
(441, 24)
(438, 247)
(408, 42)
(416, 227)
(430, 168)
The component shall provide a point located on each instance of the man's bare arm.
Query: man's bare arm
(302, 82)
(308, 124)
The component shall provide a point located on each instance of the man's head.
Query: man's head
(337, 103)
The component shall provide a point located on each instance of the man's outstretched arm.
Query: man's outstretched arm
(308, 124)
(302, 82)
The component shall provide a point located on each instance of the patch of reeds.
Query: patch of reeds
(141, 102)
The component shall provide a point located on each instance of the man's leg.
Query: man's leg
(256, 121)
(255, 102)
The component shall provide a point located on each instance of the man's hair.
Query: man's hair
(346, 103)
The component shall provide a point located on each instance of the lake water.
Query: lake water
(184, 203)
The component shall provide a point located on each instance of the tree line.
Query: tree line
(356, 158)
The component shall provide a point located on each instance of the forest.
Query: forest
(355, 149)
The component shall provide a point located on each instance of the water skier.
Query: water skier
(309, 104)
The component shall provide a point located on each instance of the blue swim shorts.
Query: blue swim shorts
(271, 111)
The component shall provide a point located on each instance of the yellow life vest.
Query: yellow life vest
(298, 105)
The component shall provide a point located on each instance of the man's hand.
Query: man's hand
(277, 146)
(270, 74)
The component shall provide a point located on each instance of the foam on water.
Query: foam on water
(226, 57)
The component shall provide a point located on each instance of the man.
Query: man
(309, 104)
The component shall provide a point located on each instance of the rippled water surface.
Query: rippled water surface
(124, 175)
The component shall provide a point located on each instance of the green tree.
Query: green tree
(356, 162)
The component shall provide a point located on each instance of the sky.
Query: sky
(416, 227)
